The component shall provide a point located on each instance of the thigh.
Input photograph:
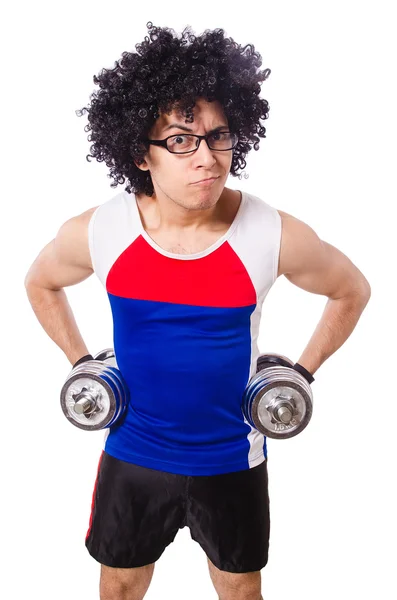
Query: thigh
(228, 515)
(136, 512)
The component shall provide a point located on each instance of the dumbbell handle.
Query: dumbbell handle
(284, 415)
(85, 403)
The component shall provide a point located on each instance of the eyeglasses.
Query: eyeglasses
(185, 143)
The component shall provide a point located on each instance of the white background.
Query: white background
(329, 159)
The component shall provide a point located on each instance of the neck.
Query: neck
(170, 214)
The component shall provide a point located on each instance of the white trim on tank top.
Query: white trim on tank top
(196, 255)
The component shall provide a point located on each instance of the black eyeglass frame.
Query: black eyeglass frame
(163, 143)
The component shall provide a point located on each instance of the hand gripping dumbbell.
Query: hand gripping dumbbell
(95, 395)
(278, 400)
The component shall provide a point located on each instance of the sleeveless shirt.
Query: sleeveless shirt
(185, 329)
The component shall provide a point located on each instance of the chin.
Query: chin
(208, 201)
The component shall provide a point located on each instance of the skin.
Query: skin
(187, 218)
(181, 215)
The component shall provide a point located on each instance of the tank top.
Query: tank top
(185, 330)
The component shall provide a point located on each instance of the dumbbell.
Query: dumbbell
(278, 400)
(95, 395)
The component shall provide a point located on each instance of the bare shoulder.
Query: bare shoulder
(315, 265)
(65, 260)
(88, 213)
(85, 217)
(72, 239)
(296, 237)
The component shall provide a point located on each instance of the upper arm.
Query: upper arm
(315, 265)
(66, 259)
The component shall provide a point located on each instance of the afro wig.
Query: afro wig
(168, 72)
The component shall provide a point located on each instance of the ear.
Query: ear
(143, 166)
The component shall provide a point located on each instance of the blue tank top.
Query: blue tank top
(185, 329)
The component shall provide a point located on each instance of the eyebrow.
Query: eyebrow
(184, 128)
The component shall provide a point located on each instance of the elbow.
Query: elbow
(367, 290)
(359, 294)
(363, 290)
(364, 294)
(27, 279)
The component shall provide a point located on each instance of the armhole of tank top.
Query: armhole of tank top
(91, 244)
(278, 242)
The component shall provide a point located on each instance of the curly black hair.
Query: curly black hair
(168, 72)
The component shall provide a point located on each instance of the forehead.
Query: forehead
(208, 113)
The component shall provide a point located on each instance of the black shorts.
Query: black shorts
(136, 513)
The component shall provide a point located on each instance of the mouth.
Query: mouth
(206, 181)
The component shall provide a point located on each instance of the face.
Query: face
(175, 176)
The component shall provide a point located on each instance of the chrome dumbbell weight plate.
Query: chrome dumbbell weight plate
(272, 360)
(278, 400)
(108, 356)
(95, 395)
(118, 404)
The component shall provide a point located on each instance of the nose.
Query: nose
(204, 154)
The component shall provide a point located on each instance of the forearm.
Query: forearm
(338, 321)
(53, 311)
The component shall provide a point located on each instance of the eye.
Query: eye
(185, 142)
(219, 135)
(180, 139)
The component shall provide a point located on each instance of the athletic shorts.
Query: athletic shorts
(136, 513)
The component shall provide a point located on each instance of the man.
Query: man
(187, 263)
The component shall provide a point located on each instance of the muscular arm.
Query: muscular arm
(62, 262)
(320, 268)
